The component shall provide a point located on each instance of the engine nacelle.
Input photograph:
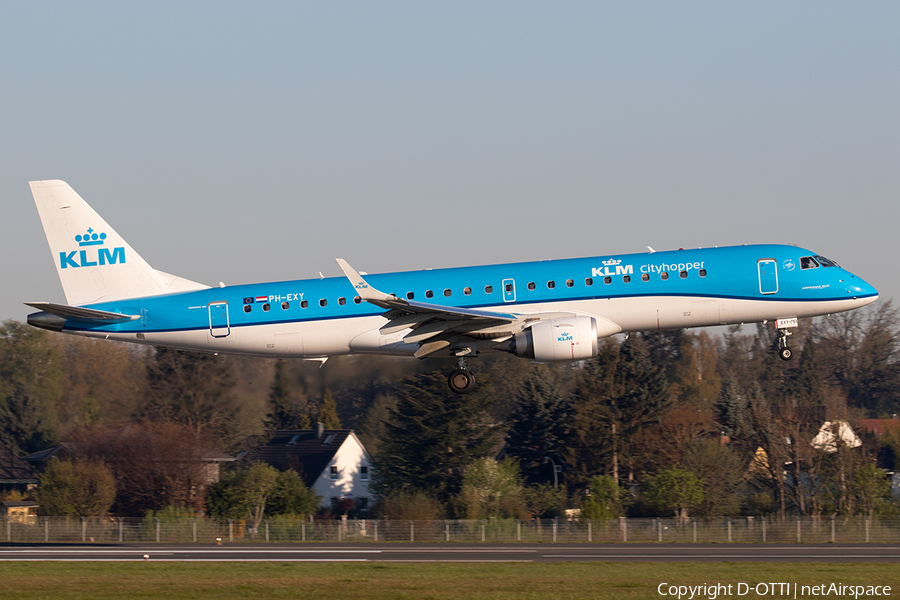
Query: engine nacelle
(569, 338)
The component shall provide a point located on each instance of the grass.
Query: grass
(376, 581)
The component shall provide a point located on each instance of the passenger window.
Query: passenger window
(508, 287)
(285, 306)
(702, 272)
(467, 291)
(266, 307)
(645, 277)
(589, 282)
(683, 274)
(489, 289)
(246, 308)
(808, 262)
(626, 279)
(530, 285)
(551, 284)
(304, 304)
(342, 301)
(429, 294)
(447, 293)
(410, 295)
(357, 300)
(664, 275)
(569, 283)
(607, 280)
(323, 302)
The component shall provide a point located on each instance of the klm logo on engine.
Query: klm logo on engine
(612, 267)
(93, 254)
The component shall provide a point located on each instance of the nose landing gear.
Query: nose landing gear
(461, 380)
(784, 352)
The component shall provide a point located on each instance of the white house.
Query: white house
(332, 462)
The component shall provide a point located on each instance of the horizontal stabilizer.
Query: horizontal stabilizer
(86, 315)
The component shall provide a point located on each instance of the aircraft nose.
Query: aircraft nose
(860, 289)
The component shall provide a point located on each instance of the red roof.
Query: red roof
(879, 426)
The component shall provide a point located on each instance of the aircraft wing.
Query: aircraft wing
(87, 315)
(435, 327)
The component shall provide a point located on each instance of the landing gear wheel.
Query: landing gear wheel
(785, 354)
(461, 381)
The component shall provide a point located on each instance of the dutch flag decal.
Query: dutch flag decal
(262, 298)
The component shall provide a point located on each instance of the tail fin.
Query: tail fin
(94, 263)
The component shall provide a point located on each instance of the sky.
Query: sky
(243, 142)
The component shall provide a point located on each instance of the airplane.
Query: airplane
(545, 311)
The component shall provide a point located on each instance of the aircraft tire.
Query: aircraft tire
(785, 353)
(461, 381)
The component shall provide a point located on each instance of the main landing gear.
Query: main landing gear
(461, 380)
(784, 352)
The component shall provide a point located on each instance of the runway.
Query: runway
(456, 553)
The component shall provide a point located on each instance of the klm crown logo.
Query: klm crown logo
(612, 266)
(90, 238)
(85, 258)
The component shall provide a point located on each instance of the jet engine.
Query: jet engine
(566, 338)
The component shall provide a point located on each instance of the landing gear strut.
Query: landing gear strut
(784, 352)
(461, 380)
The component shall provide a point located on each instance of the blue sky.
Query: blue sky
(244, 142)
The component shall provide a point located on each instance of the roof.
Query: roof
(879, 426)
(19, 503)
(301, 450)
(61, 450)
(13, 468)
(66, 451)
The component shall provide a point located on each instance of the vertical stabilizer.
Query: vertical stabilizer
(94, 263)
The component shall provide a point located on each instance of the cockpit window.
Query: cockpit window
(808, 262)
(826, 262)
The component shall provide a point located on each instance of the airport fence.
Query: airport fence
(290, 529)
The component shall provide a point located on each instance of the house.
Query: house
(831, 433)
(24, 511)
(332, 462)
(15, 474)
(212, 460)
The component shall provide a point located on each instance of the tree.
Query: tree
(29, 387)
(432, 435)
(192, 389)
(243, 493)
(155, 464)
(290, 496)
(619, 393)
(492, 488)
(328, 412)
(82, 488)
(540, 425)
(604, 500)
(282, 409)
(674, 489)
(720, 472)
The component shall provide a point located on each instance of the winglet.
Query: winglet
(365, 291)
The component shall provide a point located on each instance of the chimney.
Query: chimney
(320, 430)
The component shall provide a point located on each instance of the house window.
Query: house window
(328, 439)
(362, 504)
(334, 473)
(364, 473)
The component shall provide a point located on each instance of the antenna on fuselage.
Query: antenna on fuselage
(651, 249)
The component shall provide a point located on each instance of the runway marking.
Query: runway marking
(720, 555)
(191, 551)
